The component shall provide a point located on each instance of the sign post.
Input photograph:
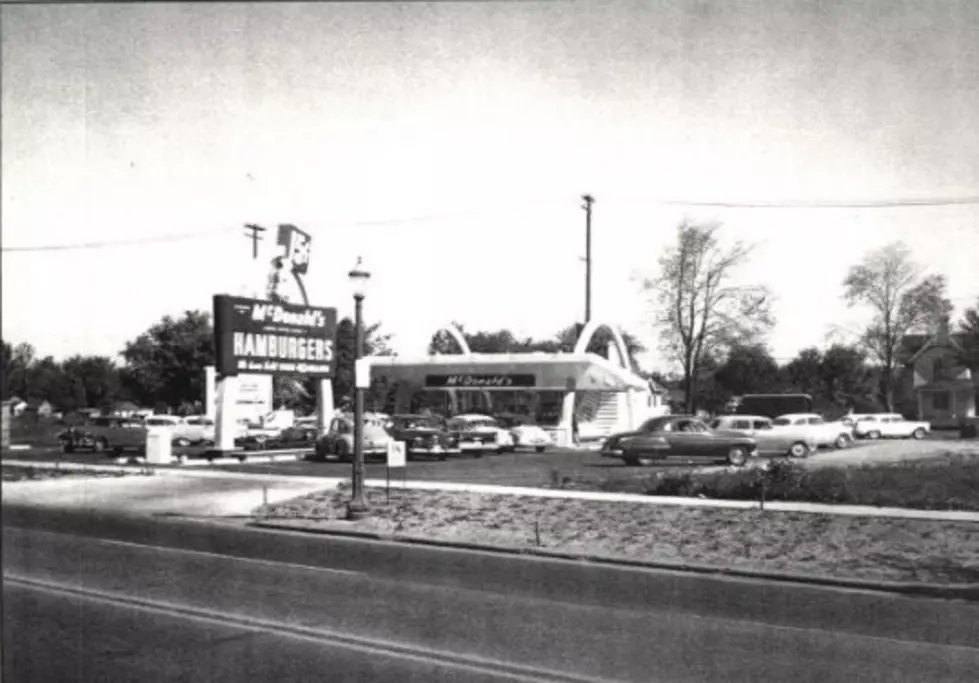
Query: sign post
(397, 458)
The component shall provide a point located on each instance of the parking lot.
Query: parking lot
(555, 466)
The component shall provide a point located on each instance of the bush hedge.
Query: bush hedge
(947, 484)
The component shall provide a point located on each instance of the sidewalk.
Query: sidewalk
(284, 482)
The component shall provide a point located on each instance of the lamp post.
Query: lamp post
(357, 507)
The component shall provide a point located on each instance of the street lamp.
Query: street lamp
(357, 507)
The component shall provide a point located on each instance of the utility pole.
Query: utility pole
(254, 237)
(589, 200)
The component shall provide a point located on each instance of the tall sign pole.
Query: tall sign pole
(589, 200)
(254, 237)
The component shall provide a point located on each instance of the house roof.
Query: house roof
(125, 405)
(914, 344)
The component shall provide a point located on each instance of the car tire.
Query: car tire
(540, 449)
(67, 448)
(737, 456)
(918, 434)
(874, 435)
(182, 441)
(631, 460)
(341, 450)
(798, 450)
(842, 441)
(442, 457)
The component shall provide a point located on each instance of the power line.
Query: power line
(843, 204)
(108, 244)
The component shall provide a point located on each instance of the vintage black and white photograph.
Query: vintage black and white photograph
(521, 341)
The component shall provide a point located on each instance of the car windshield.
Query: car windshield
(716, 424)
(655, 425)
(782, 421)
(417, 423)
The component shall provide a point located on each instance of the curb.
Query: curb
(968, 592)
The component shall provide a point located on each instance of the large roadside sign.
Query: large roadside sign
(254, 336)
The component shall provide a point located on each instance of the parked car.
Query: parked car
(680, 437)
(524, 432)
(814, 428)
(424, 435)
(105, 434)
(481, 434)
(889, 425)
(770, 441)
(338, 441)
(199, 429)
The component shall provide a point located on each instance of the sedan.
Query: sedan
(681, 438)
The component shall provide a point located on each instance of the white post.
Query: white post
(565, 435)
(324, 404)
(225, 421)
(210, 390)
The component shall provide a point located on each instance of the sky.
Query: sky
(448, 144)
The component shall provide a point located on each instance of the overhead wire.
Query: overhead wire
(786, 204)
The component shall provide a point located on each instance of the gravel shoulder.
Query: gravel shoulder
(837, 547)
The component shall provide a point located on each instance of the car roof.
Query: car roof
(473, 416)
(743, 417)
(795, 415)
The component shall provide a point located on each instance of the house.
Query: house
(124, 409)
(944, 389)
(38, 409)
(17, 405)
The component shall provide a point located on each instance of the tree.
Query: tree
(749, 369)
(968, 342)
(46, 381)
(376, 343)
(803, 373)
(901, 301)
(702, 313)
(15, 362)
(166, 363)
(93, 381)
(599, 343)
(847, 381)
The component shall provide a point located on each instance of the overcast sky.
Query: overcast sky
(449, 143)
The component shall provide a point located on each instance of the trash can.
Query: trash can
(159, 445)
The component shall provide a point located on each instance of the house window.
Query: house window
(939, 400)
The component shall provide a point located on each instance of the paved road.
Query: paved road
(176, 601)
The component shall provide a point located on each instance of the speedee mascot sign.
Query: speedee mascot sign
(253, 336)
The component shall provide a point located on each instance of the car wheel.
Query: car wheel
(874, 435)
(341, 450)
(182, 441)
(67, 448)
(442, 457)
(630, 460)
(918, 434)
(842, 441)
(798, 450)
(737, 456)
(540, 449)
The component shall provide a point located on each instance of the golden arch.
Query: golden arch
(589, 331)
(457, 335)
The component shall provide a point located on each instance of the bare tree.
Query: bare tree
(902, 300)
(701, 312)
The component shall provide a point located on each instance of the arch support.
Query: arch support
(589, 332)
(458, 336)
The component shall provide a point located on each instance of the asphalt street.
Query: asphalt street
(254, 605)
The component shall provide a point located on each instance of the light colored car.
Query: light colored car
(813, 428)
(199, 429)
(889, 425)
(770, 441)
(180, 431)
(481, 433)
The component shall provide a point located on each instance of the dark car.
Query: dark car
(424, 435)
(105, 434)
(680, 438)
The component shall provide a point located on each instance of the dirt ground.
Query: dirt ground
(799, 543)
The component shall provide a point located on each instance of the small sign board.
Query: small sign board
(362, 373)
(397, 454)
